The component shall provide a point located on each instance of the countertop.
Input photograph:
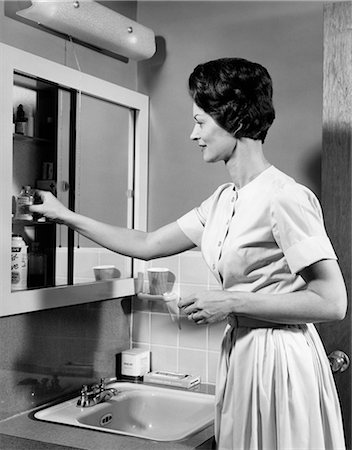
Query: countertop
(23, 432)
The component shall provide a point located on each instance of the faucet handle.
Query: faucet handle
(105, 381)
(83, 399)
(102, 385)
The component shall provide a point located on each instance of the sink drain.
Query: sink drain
(105, 419)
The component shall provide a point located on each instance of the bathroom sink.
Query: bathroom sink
(140, 410)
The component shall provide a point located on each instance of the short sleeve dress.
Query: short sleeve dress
(275, 389)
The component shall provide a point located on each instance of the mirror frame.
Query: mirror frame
(11, 60)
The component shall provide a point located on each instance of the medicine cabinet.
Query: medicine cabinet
(86, 140)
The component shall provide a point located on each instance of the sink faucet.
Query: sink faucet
(97, 393)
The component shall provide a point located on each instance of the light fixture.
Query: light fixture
(90, 22)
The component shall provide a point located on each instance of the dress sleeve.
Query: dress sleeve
(298, 227)
(193, 222)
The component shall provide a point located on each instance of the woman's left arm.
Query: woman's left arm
(323, 300)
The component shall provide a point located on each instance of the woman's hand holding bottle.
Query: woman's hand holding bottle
(50, 207)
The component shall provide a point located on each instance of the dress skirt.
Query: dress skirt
(275, 391)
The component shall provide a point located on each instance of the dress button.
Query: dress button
(227, 222)
(219, 243)
(233, 199)
(213, 266)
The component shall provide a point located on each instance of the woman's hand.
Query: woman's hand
(206, 306)
(51, 207)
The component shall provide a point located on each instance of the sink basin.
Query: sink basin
(140, 410)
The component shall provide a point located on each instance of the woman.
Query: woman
(262, 235)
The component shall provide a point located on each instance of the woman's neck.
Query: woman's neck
(246, 162)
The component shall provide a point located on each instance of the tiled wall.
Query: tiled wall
(192, 348)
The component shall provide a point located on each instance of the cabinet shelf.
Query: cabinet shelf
(32, 223)
(24, 138)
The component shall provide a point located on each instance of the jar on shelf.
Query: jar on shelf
(23, 201)
(19, 263)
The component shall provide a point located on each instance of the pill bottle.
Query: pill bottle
(24, 200)
(19, 263)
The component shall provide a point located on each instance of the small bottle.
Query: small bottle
(21, 120)
(19, 263)
(24, 200)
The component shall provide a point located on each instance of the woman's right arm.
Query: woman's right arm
(165, 241)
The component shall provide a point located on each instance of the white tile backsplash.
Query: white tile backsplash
(163, 330)
(193, 348)
(193, 362)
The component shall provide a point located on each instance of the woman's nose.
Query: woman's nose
(194, 135)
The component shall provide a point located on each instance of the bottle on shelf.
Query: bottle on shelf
(21, 120)
(19, 263)
(23, 201)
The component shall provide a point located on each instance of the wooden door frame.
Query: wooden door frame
(336, 174)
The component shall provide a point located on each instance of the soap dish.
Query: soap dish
(172, 379)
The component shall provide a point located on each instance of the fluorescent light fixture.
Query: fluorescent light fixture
(94, 24)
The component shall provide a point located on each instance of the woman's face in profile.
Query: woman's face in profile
(216, 143)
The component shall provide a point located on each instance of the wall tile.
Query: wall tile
(192, 335)
(213, 358)
(141, 327)
(193, 362)
(164, 358)
(163, 331)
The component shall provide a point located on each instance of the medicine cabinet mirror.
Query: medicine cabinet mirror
(86, 140)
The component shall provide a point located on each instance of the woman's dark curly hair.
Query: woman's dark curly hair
(237, 94)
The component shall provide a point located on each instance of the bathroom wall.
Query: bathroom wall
(49, 353)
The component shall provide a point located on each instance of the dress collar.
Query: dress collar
(258, 179)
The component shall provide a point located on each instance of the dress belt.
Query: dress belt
(246, 322)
